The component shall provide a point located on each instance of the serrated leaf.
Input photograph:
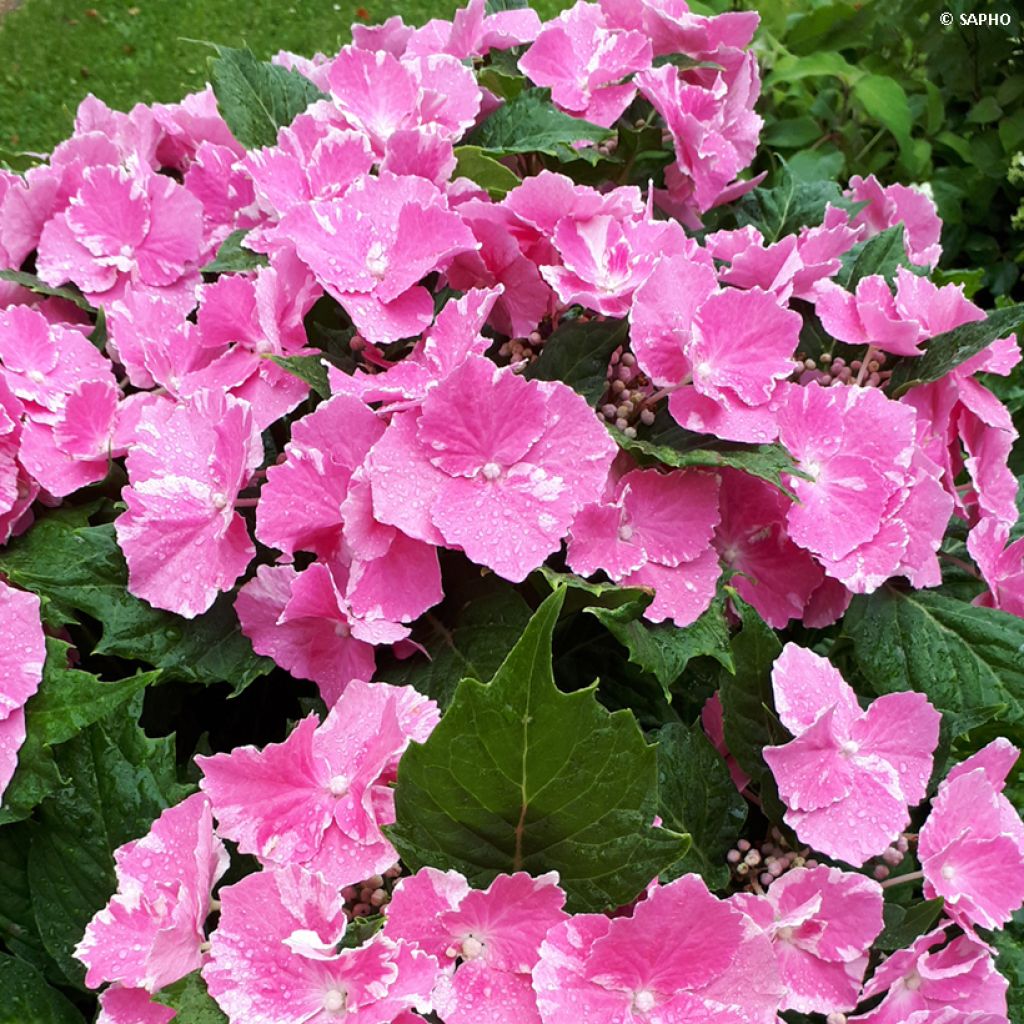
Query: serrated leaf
(664, 649)
(79, 569)
(962, 657)
(233, 257)
(577, 354)
(609, 595)
(496, 6)
(882, 254)
(696, 795)
(485, 630)
(490, 174)
(504, 83)
(519, 776)
(531, 123)
(765, 461)
(40, 287)
(946, 351)
(310, 369)
(749, 723)
(28, 999)
(256, 98)
(193, 1003)
(118, 781)
(904, 924)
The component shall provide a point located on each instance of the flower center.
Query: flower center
(338, 785)
(334, 1000)
(377, 260)
(786, 933)
(947, 871)
(850, 747)
(472, 947)
(491, 471)
(625, 532)
(913, 981)
(35, 376)
(219, 499)
(643, 1000)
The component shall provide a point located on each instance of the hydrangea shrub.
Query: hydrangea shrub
(471, 552)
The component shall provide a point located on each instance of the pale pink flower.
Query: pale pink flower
(149, 933)
(1001, 564)
(898, 204)
(120, 1005)
(822, 922)
(849, 777)
(585, 63)
(971, 847)
(654, 530)
(923, 977)
(182, 539)
(493, 464)
(724, 353)
(371, 249)
(122, 227)
(682, 955)
(772, 574)
(274, 958)
(494, 934)
(319, 799)
(22, 653)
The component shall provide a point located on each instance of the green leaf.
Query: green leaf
(885, 100)
(77, 568)
(485, 630)
(961, 656)
(193, 1002)
(118, 781)
(256, 98)
(233, 257)
(765, 461)
(789, 205)
(749, 723)
(531, 123)
(904, 924)
(40, 287)
(310, 369)
(882, 254)
(946, 351)
(503, 83)
(664, 649)
(519, 776)
(27, 999)
(1010, 964)
(99, 335)
(18, 930)
(496, 6)
(696, 795)
(473, 163)
(577, 354)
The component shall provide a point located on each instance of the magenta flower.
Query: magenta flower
(493, 464)
(674, 28)
(123, 227)
(319, 798)
(274, 958)
(971, 847)
(898, 204)
(22, 653)
(654, 530)
(472, 32)
(1001, 564)
(494, 935)
(682, 955)
(849, 776)
(120, 1005)
(822, 922)
(150, 932)
(182, 539)
(925, 979)
(17, 489)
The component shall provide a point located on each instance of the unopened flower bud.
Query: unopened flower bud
(646, 417)
(743, 845)
(880, 872)
(892, 856)
(733, 856)
(753, 858)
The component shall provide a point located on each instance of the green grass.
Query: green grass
(55, 52)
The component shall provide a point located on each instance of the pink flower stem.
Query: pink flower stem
(246, 502)
(863, 372)
(912, 876)
(966, 566)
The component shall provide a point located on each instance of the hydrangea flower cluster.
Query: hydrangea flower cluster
(335, 386)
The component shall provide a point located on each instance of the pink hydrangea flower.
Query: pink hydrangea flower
(493, 464)
(22, 653)
(923, 977)
(17, 489)
(849, 776)
(319, 798)
(724, 353)
(971, 847)
(822, 922)
(712, 721)
(274, 958)
(371, 249)
(1001, 564)
(182, 539)
(217, 179)
(149, 933)
(120, 1005)
(654, 530)
(690, 957)
(674, 28)
(584, 63)
(752, 264)
(472, 32)
(123, 227)
(899, 204)
(773, 574)
(495, 934)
